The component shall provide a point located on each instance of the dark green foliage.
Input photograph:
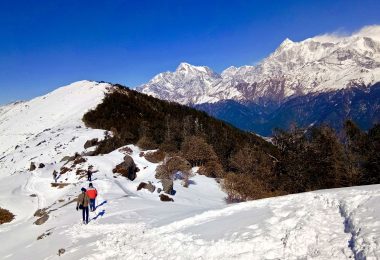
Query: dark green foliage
(318, 159)
(134, 116)
(301, 160)
(311, 160)
(371, 173)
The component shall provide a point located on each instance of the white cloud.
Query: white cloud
(372, 31)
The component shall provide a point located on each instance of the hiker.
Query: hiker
(55, 176)
(92, 193)
(82, 203)
(89, 175)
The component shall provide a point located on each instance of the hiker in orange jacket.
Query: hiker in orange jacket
(92, 193)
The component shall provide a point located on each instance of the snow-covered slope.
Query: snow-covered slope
(65, 106)
(320, 64)
(131, 224)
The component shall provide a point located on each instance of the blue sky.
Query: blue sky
(47, 44)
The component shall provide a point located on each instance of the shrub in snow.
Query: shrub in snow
(63, 170)
(167, 186)
(212, 169)
(246, 187)
(5, 216)
(79, 160)
(197, 151)
(81, 172)
(171, 166)
(109, 144)
(146, 143)
(169, 147)
(252, 161)
(155, 157)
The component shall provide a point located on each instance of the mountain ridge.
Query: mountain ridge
(315, 65)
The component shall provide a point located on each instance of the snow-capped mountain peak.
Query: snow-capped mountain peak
(286, 44)
(188, 68)
(185, 85)
(319, 64)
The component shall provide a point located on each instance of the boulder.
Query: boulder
(127, 168)
(70, 158)
(40, 212)
(142, 185)
(41, 165)
(32, 166)
(42, 219)
(61, 251)
(91, 143)
(89, 153)
(148, 186)
(167, 186)
(164, 197)
(79, 159)
(67, 158)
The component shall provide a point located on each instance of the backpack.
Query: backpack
(81, 204)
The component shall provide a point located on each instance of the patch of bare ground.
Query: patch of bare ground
(59, 185)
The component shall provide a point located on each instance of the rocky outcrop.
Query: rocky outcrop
(127, 168)
(42, 219)
(164, 197)
(32, 166)
(148, 186)
(91, 143)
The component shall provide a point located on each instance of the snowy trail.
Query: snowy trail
(309, 225)
(31, 188)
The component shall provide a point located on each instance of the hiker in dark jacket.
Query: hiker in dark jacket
(89, 175)
(55, 173)
(92, 193)
(82, 203)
